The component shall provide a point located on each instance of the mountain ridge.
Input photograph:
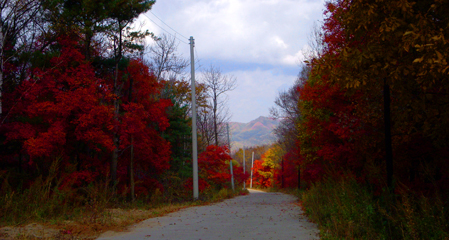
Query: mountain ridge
(256, 132)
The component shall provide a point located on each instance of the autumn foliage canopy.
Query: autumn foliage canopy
(340, 130)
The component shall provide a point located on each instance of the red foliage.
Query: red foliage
(60, 105)
(143, 119)
(214, 165)
(78, 179)
(202, 184)
(288, 171)
(334, 34)
(258, 178)
(334, 130)
(239, 176)
(65, 112)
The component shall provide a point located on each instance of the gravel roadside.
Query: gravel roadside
(259, 215)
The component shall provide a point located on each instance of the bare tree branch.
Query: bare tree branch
(166, 62)
(217, 84)
(16, 19)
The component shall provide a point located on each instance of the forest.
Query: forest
(365, 123)
(93, 116)
(90, 113)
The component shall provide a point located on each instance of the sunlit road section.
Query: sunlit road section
(259, 215)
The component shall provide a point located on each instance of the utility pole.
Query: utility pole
(230, 161)
(282, 173)
(244, 171)
(252, 166)
(194, 137)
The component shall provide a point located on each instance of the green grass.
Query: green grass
(92, 209)
(346, 210)
(43, 202)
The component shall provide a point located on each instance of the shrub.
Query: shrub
(346, 209)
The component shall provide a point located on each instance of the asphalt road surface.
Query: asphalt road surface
(259, 215)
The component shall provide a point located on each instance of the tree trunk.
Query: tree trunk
(299, 177)
(2, 40)
(116, 138)
(20, 162)
(131, 170)
(87, 47)
(388, 145)
(114, 162)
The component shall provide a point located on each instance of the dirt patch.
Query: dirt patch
(30, 231)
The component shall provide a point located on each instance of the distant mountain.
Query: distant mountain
(256, 132)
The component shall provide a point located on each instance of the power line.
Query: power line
(169, 26)
(165, 30)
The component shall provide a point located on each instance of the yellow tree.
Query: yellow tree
(271, 162)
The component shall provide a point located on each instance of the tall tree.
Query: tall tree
(288, 111)
(143, 118)
(168, 66)
(61, 108)
(405, 44)
(87, 17)
(217, 84)
(122, 13)
(16, 17)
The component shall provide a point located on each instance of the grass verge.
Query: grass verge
(45, 211)
(345, 209)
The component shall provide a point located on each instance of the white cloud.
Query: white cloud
(258, 41)
(279, 42)
(255, 93)
(261, 31)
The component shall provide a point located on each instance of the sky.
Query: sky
(259, 42)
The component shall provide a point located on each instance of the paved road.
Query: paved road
(258, 215)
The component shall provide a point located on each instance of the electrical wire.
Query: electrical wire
(198, 66)
(165, 30)
(169, 26)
